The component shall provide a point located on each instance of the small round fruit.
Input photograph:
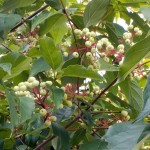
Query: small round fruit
(128, 117)
(124, 113)
(35, 83)
(130, 27)
(136, 29)
(69, 103)
(43, 92)
(49, 82)
(88, 54)
(93, 34)
(16, 88)
(47, 123)
(139, 33)
(93, 50)
(43, 112)
(85, 30)
(120, 46)
(99, 45)
(61, 106)
(53, 118)
(88, 43)
(31, 79)
(43, 84)
(65, 54)
(75, 54)
(128, 41)
(22, 88)
(65, 96)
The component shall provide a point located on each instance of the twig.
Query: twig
(29, 17)
(78, 116)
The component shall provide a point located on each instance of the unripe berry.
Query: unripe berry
(22, 88)
(93, 34)
(43, 92)
(49, 82)
(105, 41)
(65, 96)
(31, 79)
(88, 43)
(91, 39)
(16, 88)
(65, 54)
(35, 83)
(43, 112)
(61, 106)
(120, 46)
(75, 54)
(53, 118)
(110, 47)
(77, 31)
(136, 29)
(124, 113)
(69, 103)
(85, 30)
(93, 50)
(21, 84)
(99, 45)
(139, 33)
(130, 27)
(128, 117)
(43, 84)
(89, 54)
(47, 123)
(128, 41)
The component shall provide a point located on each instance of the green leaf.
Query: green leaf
(57, 96)
(94, 11)
(26, 108)
(133, 93)
(12, 106)
(21, 65)
(81, 72)
(78, 21)
(12, 4)
(146, 11)
(106, 66)
(49, 51)
(6, 67)
(64, 113)
(124, 136)
(5, 133)
(63, 136)
(78, 136)
(53, 24)
(39, 19)
(56, 4)
(38, 65)
(94, 145)
(140, 50)
(7, 22)
(146, 95)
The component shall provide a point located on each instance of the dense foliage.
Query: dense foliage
(71, 77)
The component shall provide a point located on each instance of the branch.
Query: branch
(78, 116)
(29, 17)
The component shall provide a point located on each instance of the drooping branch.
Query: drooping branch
(29, 17)
(78, 116)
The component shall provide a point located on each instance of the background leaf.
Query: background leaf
(49, 51)
(94, 11)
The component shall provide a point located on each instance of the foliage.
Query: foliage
(72, 77)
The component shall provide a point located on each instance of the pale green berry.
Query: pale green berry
(65, 96)
(95, 88)
(139, 33)
(53, 118)
(120, 46)
(16, 88)
(47, 123)
(88, 54)
(21, 84)
(130, 27)
(91, 39)
(77, 31)
(69, 103)
(75, 54)
(99, 45)
(136, 29)
(49, 82)
(93, 34)
(93, 50)
(85, 30)
(61, 106)
(43, 112)
(35, 83)
(110, 47)
(43, 84)
(31, 79)
(121, 50)
(22, 88)
(105, 41)
(88, 43)
(124, 113)
(43, 92)
(128, 117)
(65, 54)
(128, 41)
